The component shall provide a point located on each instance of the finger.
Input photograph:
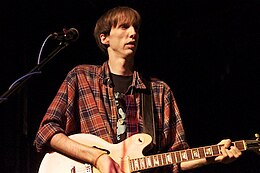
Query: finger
(227, 143)
(229, 153)
(224, 152)
(236, 152)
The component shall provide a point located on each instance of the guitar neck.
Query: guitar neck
(169, 158)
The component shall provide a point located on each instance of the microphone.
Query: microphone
(71, 34)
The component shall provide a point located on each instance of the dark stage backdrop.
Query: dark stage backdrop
(206, 50)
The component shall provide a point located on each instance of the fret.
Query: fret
(155, 161)
(189, 154)
(163, 159)
(136, 164)
(149, 163)
(168, 158)
(208, 151)
(178, 157)
(132, 165)
(174, 157)
(202, 153)
(195, 153)
(240, 145)
(160, 159)
(142, 163)
(184, 156)
(219, 148)
(215, 150)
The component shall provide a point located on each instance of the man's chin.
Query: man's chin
(130, 52)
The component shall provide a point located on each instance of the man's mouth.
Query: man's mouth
(131, 44)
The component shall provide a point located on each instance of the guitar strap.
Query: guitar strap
(149, 123)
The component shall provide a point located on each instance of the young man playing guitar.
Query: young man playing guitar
(110, 101)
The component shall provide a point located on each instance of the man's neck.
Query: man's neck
(121, 66)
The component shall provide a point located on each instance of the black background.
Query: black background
(207, 51)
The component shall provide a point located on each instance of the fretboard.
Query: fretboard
(169, 158)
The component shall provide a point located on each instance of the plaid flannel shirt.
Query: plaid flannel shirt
(85, 103)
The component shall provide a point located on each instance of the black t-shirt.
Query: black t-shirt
(121, 85)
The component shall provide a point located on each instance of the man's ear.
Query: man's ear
(104, 39)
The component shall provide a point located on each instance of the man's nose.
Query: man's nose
(132, 32)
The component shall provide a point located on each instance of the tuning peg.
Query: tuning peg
(257, 136)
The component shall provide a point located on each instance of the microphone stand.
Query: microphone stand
(35, 70)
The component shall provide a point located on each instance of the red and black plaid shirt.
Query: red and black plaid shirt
(85, 104)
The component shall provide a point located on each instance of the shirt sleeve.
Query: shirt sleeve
(58, 117)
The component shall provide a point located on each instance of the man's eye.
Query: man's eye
(124, 26)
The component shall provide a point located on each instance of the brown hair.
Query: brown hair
(111, 18)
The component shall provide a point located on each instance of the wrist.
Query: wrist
(97, 158)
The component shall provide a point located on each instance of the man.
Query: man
(106, 101)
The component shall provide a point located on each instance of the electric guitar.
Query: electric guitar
(128, 154)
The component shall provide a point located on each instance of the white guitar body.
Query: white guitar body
(130, 148)
(129, 154)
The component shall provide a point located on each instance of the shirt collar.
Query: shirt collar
(105, 76)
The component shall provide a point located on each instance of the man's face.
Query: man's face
(122, 40)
